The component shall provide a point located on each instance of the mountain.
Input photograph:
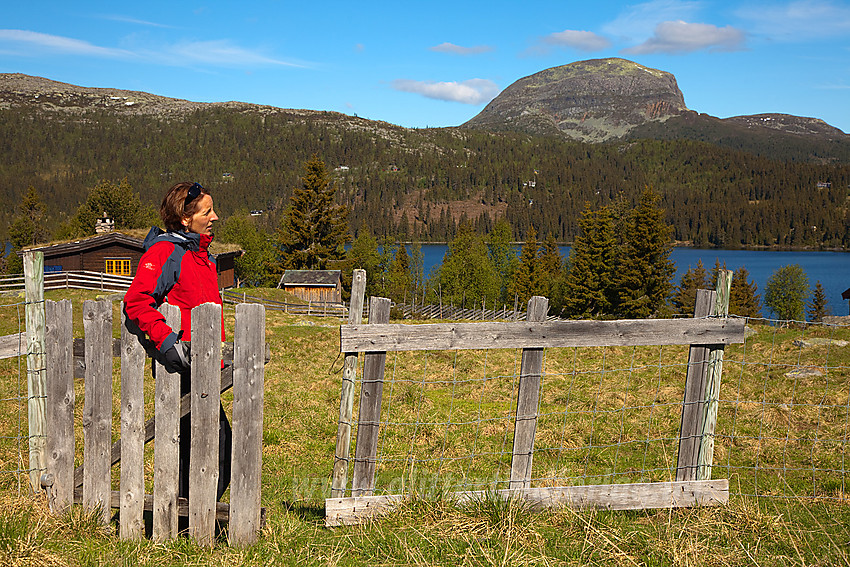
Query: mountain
(612, 99)
(728, 183)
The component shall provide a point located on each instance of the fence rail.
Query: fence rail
(72, 279)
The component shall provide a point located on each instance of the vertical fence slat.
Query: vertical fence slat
(690, 429)
(248, 375)
(166, 448)
(206, 398)
(132, 483)
(346, 402)
(59, 351)
(527, 402)
(714, 369)
(371, 392)
(34, 316)
(97, 407)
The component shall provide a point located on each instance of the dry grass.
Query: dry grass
(607, 415)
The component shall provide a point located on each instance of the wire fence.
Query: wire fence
(14, 396)
(610, 415)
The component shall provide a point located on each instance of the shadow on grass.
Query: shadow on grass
(305, 512)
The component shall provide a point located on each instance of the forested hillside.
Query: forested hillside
(418, 184)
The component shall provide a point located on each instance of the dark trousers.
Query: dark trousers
(225, 442)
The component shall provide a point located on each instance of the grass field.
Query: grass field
(606, 415)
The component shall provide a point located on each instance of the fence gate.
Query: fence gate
(91, 484)
(692, 486)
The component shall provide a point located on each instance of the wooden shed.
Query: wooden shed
(118, 253)
(315, 286)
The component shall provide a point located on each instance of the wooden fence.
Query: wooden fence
(72, 279)
(91, 484)
(693, 485)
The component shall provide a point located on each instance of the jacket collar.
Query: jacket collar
(188, 240)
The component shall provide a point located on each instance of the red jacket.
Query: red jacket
(178, 268)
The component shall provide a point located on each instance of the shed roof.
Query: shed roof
(318, 278)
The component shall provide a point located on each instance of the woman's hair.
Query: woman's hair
(181, 201)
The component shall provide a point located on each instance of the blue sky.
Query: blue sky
(436, 63)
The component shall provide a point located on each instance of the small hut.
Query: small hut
(315, 286)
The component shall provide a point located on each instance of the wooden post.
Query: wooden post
(97, 407)
(59, 347)
(712, 385)
(206, 400)
(690, 429)
(528, 394)
(34, 318)
(167, 447)
(368, 424)
(346, 400)
(132, 501)
(249, 346)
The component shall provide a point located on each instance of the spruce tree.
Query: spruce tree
(551, 270)
(526, 281)
(743, 299)
(685, 296)
(645, 269)
(589, 284)
(817, 307)
(466, 276)
(119, 201)
(314, 229)
(399, 278)
(502, 256)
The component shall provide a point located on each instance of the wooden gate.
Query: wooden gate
(91, 484)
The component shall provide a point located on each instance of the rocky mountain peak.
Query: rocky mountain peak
(591, 100)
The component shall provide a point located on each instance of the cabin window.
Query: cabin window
(118, 266)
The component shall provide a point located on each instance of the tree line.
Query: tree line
(411, 184)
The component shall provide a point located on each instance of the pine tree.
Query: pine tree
(685, 297)
(120, 203)
(743, 299)
(645, 269)
(588, 289)
(313, 229)
(817, 307)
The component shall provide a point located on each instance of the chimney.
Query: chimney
(104, 224)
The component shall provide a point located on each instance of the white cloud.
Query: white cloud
(472, 91)
(581, 40)
(460, 50)
(804, 19)
(214, 53)
(56, 44)
(128, 20)
(218, 53)
(682, 37)
(638, 22)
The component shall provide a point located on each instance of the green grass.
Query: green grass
(777, 436)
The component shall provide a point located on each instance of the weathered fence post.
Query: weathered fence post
(528, 395)
(167, 434)
(206, 399)
(97, 407)
(132, 483)
(34, 318)
(371, 392)
(59, 443)
(703, 368)
(249, 346)
(714, 370)
(346, 401)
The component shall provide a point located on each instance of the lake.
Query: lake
(832, 269)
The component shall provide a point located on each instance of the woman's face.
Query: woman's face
(201, 222)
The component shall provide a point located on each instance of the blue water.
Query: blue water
(832, 269)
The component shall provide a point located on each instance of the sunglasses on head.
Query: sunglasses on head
(194, 192)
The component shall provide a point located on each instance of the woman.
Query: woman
(178, 267)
